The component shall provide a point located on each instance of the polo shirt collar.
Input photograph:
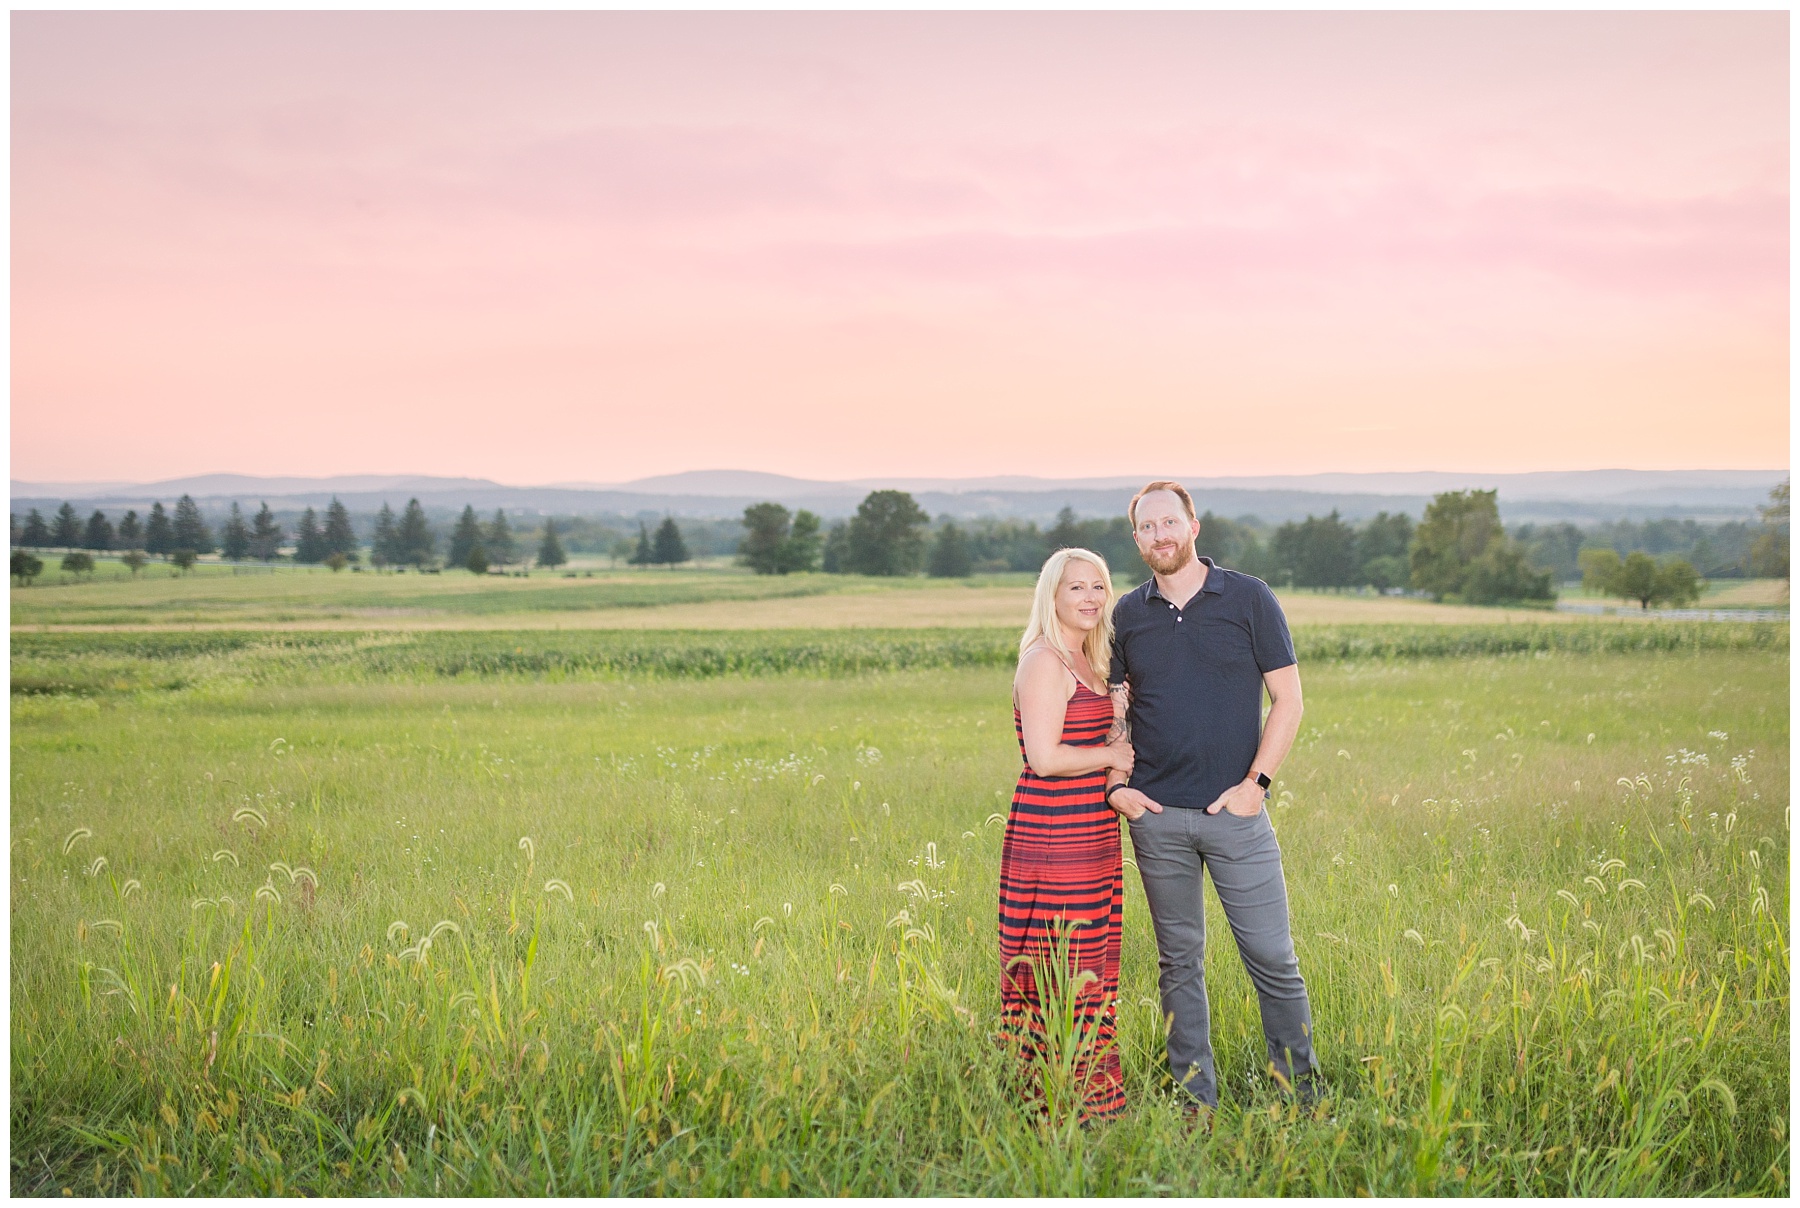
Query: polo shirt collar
(1214, 585)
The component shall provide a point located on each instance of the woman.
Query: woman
(1061, 883)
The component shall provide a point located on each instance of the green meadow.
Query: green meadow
(702, 913)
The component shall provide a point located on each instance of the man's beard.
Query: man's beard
(1171, 562)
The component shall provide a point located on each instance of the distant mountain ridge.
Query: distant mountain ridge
(1581, 496)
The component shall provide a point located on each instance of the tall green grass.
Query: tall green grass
(437, 928)
(88, 663)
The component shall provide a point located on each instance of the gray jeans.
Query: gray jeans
(1173, 850)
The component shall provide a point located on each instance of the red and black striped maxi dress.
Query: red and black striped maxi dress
(1060, 868)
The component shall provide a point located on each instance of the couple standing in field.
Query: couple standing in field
(1173, 740)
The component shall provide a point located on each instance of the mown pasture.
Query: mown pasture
(479, 913)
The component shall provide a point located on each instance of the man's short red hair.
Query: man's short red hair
(1174, 488)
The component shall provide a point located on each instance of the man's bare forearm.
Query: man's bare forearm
(1279, 732)
(1121, 727)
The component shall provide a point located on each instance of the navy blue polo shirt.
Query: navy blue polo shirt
(1195, 668)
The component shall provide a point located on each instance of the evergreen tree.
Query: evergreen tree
(265, 535)
(835, 554)
(465, 538)
(669, 548)
(234, 538)
(36, 533)
(766, 527)
(801, 549)
(159, 534)
(386, 543)
(1319, 551)
(99, 532)
(309, 539)
(1381, 550)
(15, 530)
(643, 555)
(417, 544)
(131, 532)
(502, 547)
(950, 553)
(1066, 533)
(887, 535)
(340, 537)
(67, 530)
(550, 551)
(190, 529)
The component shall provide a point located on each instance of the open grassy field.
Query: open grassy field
(1746, 593)
(453, 913)
(301, 598)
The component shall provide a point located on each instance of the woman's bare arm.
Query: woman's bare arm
(1043, 687)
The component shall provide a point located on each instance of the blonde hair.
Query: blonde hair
(1043, 625)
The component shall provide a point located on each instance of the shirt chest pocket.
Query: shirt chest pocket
(1220, 645)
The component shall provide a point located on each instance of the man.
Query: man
(1193, 650)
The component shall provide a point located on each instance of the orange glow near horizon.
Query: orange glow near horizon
(601, 246)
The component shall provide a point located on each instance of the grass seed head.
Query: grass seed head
(222, 854)
(75, 836)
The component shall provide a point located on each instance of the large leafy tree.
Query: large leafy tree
(1460, 549)
(234, 537)
(190, 528)
(887, 535)
(669, 547)
(159, 534)
(766, 529)
(98, 534)
(1769, 552)
(1458, 526)
(1502, 572)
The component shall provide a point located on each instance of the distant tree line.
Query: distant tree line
(1459, 550)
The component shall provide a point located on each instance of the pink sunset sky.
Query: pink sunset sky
(600, 246)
